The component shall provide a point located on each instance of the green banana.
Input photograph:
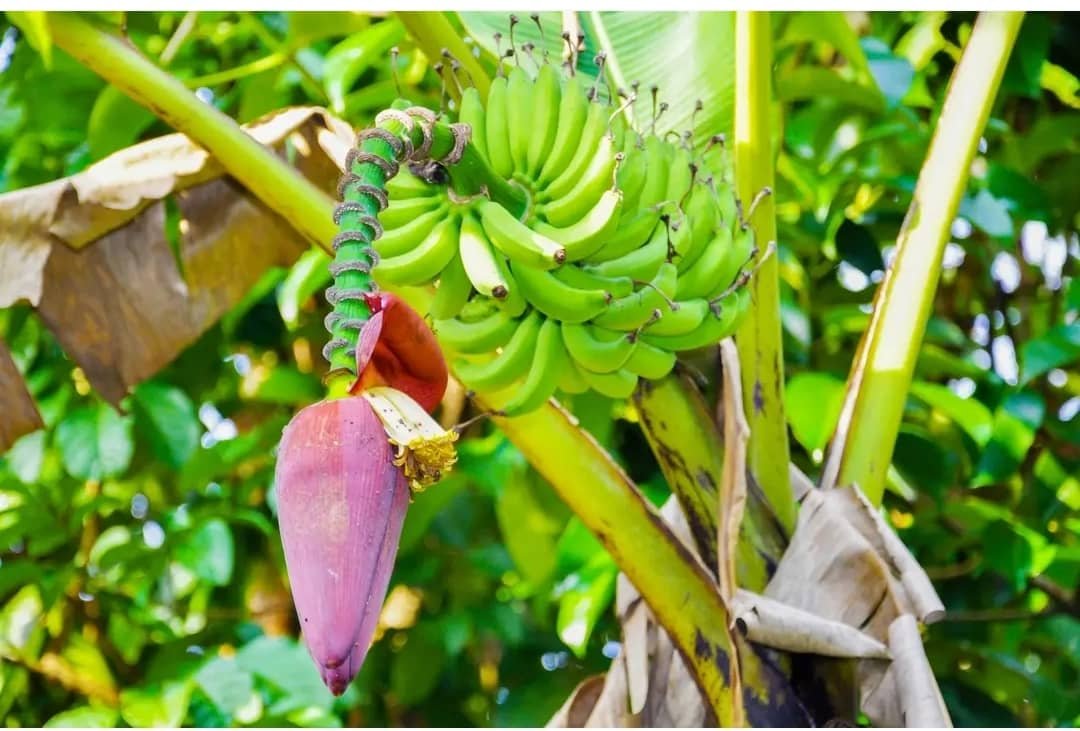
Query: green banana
(572, 382)
(548, 364)
(728, 204)
(498, 130)
(714, 270)
(514, 303)
(618, 384)
(651, 362)
(587, 145)
(742, 252)
(511, 365)
(519, 115)
(584, 237)
(628, 236)
(715, 328)
(545, 118)
(453, 292)
(688, 315)
(519, 242)
(655, 190)
(555, 298)
(633, 311)
(398, 241)
(578, 278)
(484, 266)
(573, 111)
(479, 336)
(682, 235)
(401, 211)
(423, 263)
(594, 352)
(679, 176)
(599, 176)
(630, 178)
(703, 214)
(407, 185)
(472, 113)
(640, 264)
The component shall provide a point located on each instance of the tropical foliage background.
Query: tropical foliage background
(141, 575)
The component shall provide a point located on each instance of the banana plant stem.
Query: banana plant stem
(881, 373)
(266, 175)
(434, 34)
(761, 353)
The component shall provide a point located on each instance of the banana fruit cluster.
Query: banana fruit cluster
(630, 249)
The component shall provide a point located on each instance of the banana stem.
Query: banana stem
(761, 353)
(433, 32)
(881, 372)
(272, 180)
(472, 176)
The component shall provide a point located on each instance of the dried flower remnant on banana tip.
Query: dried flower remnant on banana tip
(346, 470)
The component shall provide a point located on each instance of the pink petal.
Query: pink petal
(341, 504)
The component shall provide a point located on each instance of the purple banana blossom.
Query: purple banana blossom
(346, 469)
(342, 502)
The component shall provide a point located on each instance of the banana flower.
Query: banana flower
(346, 470)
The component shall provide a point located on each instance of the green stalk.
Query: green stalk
(761, 354)
(680, 591)
(272, 180)
(433, 32)
(881, 374)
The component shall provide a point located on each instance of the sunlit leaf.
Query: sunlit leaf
(310, 274)
(892, 73)
(226, 684)
(36, 28)
(349, 59)
(167, 417)
(208, 552)
(584, 596)
(1015, 423)
(84, 717)
(155, 705)
(416, 666)
(813, 402)
(969, 414)
(1056, 348)
(95, 442)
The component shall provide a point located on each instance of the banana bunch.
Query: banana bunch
(629, 251)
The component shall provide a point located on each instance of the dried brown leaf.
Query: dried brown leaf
(20, 413)
(82, 208)
(121, 307)
(579, 705)
(839, 568)
(778, 625)
(917, 585)
(733, 487)
(921, 704)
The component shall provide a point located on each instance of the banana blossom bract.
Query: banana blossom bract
(346, 469)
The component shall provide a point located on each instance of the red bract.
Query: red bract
(398, 349)
(341, 503)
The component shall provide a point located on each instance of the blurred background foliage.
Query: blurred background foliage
(141, 575)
